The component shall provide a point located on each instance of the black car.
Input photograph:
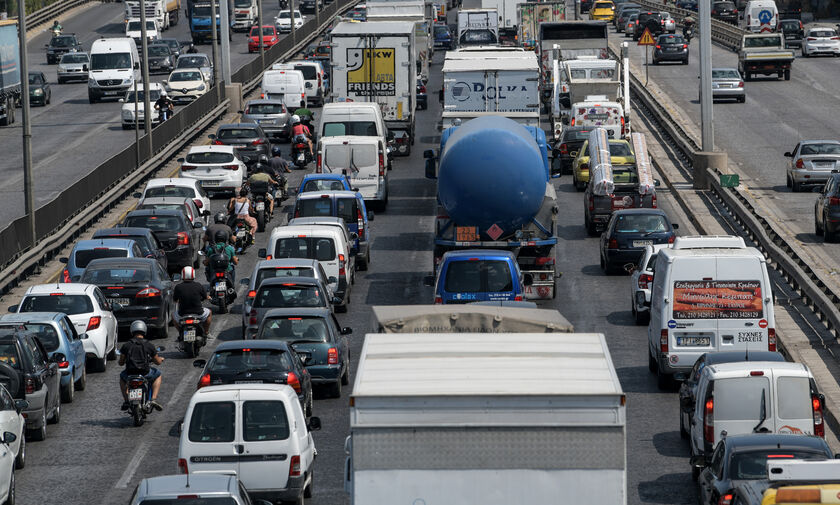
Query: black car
(309, 5)
(28, 374)
(148, 242)
(443, 37)
(725, 11)
(790, 9)
(248, 139)
(629, 231)
(422, 97)
(140, 285)
(567, 147)
(652, 20)
(174, 46)
(60, 44)
(670, 47)
(586, 5)
(39, 88)
(793, 31)
(689, 5)
(740, 458)
(257, 361)
(827, 210)
(317, 337)
(161, 59)
(181, 240)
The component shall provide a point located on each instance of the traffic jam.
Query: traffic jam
(297, 308)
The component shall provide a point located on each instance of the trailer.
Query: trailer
(9, 70)
(531, 14)
(413, 11)
(568, 40)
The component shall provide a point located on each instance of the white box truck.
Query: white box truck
(413, 12)
(435, 418)
(508, 86)
(578, 78)
(478, 27)
(374, 62)
(507, 12)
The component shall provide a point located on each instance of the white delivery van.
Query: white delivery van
(364, 160)
(114, 66)
(752, 397)
(598, 110)
(323, 243)
(760, 16)
(134, 30)
(352, 118)
(256, 432)
(313, 78)
(709, 294)
(286, 85)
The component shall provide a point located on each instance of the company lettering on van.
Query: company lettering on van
(370, 72)
(718, 300)
(463, 91)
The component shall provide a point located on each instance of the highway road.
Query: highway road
(70, 136)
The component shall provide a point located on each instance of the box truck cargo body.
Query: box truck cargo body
(412, 12)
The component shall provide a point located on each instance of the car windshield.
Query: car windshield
(725, 74)
(117, 275)
(74, 58)
(110, 61)
(85, 256)
(820, 149)
(237, 133)
(267, 30)
(215, 500)
(154, 94)
(193, 62)
(289, 295)
(134, 26)
(62, 41)
(266, 108)
(233, 360)
(441, 30)
(69, 304)
(201, 11)
(185, 76)
(272, 272)
(46, 334)
(760, 41)
(210, 157)
(212, 422)
(323, 185)
(154, 223)
(164, 191)
(159, 51)
(640, 223)
(356, 128)
(9, 354)
(475, 276)
(620, 149)
(36, 79)
(753, 465)
(671, 39)
(264, 420)
(822, 33)
(291, 329)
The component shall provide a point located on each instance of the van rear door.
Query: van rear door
(739, 404)
(265, 440)
(466, 280)
(693, 325)
(742, 321)
(210, 445)
(794, 410)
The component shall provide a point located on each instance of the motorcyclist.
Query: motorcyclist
(280, 167)
(688, 24)
(240, 207)
(192, 49)
(306, 117)
(221, 245)
(265, 174)
(300, 132)
(165, 105)
(188, 296)
(137, 355)
(219, 224)
(56, 27)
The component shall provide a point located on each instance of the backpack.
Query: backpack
(219, 261)
(137, 361)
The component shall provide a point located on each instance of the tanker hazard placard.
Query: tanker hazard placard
(718, 300)
(371, 71)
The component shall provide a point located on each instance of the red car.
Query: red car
(269, 35)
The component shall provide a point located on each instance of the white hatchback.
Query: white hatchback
(128, 105)
(87, 308)
(173, 187)
(215, 167)
(186, 84)
(821, 40)
(283, 21)
(641, 282)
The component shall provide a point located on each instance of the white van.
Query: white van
(597, 110)
(353, 119)
(313, 76)
(134, 30)
(326, 244)
(255, 431)
(760, 16)
(114, 66)
(709, 294)
(364, 160)
(752, 397)
(286, 85)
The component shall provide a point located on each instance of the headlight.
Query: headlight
(127, 81)
(201, 87)
(61, 69)
(127, 114)
(37, 91)
(92, 82)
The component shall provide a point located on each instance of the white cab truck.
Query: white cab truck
(480, 85)
(374, 62)
(245, 14)
(165, 12)
(578, 78)
(413, 12)
(478, 27)
(435, 418)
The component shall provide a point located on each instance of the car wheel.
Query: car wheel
(68, 392)
(642, 317)
(98, 364)
(60, 80)
(655, 61)
(81, 384)
(345, 378)
(20, 459)
(40, 434)
(56, 417)
(663, 380)
(787, 74)
(307, 491)
(334, 389)
(796, 186)
(49, 99)
(804, 54)
(309, 404)
(685, 61)
(828, 237)
(787, 180)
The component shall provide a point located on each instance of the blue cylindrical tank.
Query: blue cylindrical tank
(491, 172)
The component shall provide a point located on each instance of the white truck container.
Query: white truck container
(245, 14)
(374, 62)
(413, 12)
(478, 27)
(481, 85)
(578, 78)
(435, 418)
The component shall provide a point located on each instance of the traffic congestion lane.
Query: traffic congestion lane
(70, 136)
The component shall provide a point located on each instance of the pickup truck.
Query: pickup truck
(764, 54)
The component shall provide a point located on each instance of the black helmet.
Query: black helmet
(276, 151)
(262, 159)
(220, 236)
(221, 217)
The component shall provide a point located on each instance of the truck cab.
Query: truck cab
(244, 14)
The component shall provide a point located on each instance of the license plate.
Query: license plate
(642, 243)
(693, 341)
(238, 146)
(111, 92)
(189, 335)
(824, 165)
(220, 286)
(266, 121)
(247, 382)
(240, 234)
(135, 394)
(210, 183)
(260, 205)
(121, 301)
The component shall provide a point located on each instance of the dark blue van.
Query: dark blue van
(473, 275)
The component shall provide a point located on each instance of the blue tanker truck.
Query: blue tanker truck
(494, 191)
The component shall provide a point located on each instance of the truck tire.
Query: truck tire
(787, 74)
(173, 18)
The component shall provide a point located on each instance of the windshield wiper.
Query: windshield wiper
(762, 414)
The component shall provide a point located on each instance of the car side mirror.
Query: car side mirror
(200, 363)
(137, 194)
(528, 280)
(21, 405)
(336, 300)
(346, 330)
(313, 424)
(58, 358)
(308, 85)
(136, 65)
(331, 279)
(370, 215)
(629, 267)
(198, 225)
(9, 437)
(262, 253)
(431, 173)
(353, 235)
(121, 100)
(64, 260)
(656, 183)
(788, 154)
(429, 280)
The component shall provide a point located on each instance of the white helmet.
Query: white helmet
(295, 119)
(187, 274)
(163, 92)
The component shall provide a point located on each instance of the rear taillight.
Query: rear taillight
(834, 200)
(220, 275)
(318, 164)
(65, 275)
(341, 267)
(218, 143)
(613, 244)
(184, 168)
(740, 84)
(709, 421)
(653, 201)
(332, 356)
(294, 466)
(671, 239)
(293, 381)
(204, 381)
(198, 203)
(63, 364)
(381, 165)
(771, 339)
(360, 222)
(658, 46)
(149, 292)
(685, 46)
(183, 238)
(564, 149)
(230, 167)
(93, 323)
(252, 294)
(819, 425)
(252, 317)
(714, 12)
(258, 142)
(182, 465)
(135, 384)
(622, 126)
(663, 341)
(811, 38)
(438, 300)
(591, 203)
(29, 384)
(725, 499)
(644, 281)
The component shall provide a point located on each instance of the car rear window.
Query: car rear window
(264, 420)
(46, 334)
(640, 223)
(351, 157)
(725, 74)
(477, 276)
(233, 360)
(292, 329)
(102, 276)
(820, 149)
(671, 39)
(724, 5)
(740, 399)
(348, 209)
(210, 157)
(272, 272)
(576, 135)
(315, 248)
(212, 422)
(163, 206)
(266, 108)
(822, 33)
(69, 304)
(85, 256)
(216, 500)
(237, 133)
(356, 128)
(753, 465)
(323, 185)
(314, 207)
(794, 397)
(292, 295)
(603, 5)
(164, 191)
(154, 223)
(9, 354)
(308, 71)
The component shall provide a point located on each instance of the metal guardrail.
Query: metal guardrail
(49, 12)
(723, 33)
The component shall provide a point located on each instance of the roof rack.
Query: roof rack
(709, 242)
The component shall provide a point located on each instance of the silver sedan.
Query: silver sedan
(727, 83)
(73, 66)
(811, 162)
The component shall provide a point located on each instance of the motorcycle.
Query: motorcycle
(138, 396)
(163, 115)
(688, 33)
(55, 31)
(259, 192)
(300, 154)
(222, 290)
(243, 235)
(192, 337)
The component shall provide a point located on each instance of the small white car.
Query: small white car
(127, 110)
(186, 85)
(641, 282)
(283, 21)
(7, 467)
(89, 311)
(133, 29)
(821, 40)
(215, 167)
(176, 187)
(12, 421)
